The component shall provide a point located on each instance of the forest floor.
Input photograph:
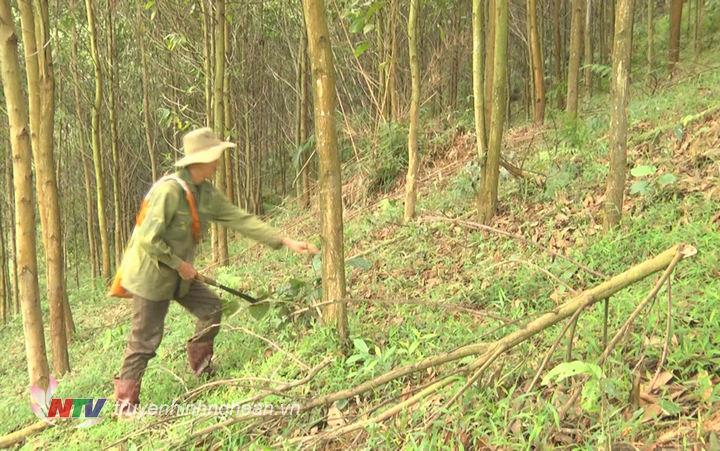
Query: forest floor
(434, 285)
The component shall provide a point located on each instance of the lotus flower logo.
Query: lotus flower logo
(48, 409)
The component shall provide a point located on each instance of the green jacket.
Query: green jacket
(164, 239)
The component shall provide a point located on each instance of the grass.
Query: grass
(443, 263)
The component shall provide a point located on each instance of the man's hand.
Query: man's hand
(301, 247)
(186, 271)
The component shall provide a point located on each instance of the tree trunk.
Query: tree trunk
(487, 198)
(489, 61)
(116, 172)
(220, 252)
(676, 8)
(12, 241)
(537, 64)
(89, 212)
(41, 93)
(413, 163)
(558, 48)
(5, 297)
(571, 103)
(207, 60)
(478, 30)
(25, 210)
(97, 156)
(146, 96)
(699, 8)
(392, 63)
(618, 114)
(323, 73)
(227, 155)
(302, 181)
(588, 58)
(650, 34)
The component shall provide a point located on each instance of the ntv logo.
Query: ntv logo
(49, 409)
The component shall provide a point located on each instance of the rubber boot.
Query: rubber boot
(200, 355)
(127, 396)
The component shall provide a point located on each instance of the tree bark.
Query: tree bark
(220, 251)
(413, 163)
(537, 64)
(676, 7)
(146, 95)
(489, 60)
(618, 114)
(323, 73)
(478, 79)
(588, 58)
(116, 172)
(97, 156)
(38, 369)
(302, 181)
(41, 94)
(576, 33)
(488, 196)
(650, 34)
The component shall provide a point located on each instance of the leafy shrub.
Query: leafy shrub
(392, 158)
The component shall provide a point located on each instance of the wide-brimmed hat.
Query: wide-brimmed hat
(202, 146)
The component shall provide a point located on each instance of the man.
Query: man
(158, 263)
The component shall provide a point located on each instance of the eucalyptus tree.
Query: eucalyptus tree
(324, 100)
(29, 291)
(618, 114)
(488, 194)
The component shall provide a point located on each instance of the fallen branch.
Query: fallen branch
(564, 311)
(680, 252)
(685, 121)
(20, 436)
(486, 352)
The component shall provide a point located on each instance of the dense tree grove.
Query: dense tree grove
(97, 95)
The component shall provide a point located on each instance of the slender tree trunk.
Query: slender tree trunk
(12, 241)
(207, 60)
(588, 59)
(323, 73)
(618, 114)
(41, 93)
(89, 212)
(116, 172)
(220, 253)
(699, 8)
(413, 158)
(488, 196)
(392, 63)
(4, 292)
(576, 33)
(97, 156)
(303, 182)
(650, 34)
(676, 7)
(146, 95)
(478, 30)
(228, 121)
(537, 65)
(558, 48)
(489, 61)
(38, 369)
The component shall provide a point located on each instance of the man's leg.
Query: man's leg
(145, 337)
(206, 307)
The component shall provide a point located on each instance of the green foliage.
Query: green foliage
(392, 157)
(649, 182)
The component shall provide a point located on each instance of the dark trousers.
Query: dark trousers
(149, 318)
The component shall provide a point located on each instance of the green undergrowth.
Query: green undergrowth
(429, 287)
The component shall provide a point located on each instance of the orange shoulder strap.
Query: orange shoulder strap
(116, 288)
